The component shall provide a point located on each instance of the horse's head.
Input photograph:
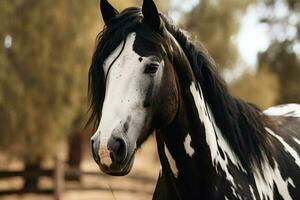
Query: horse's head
(132, 84)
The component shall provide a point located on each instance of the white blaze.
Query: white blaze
(120, 97)
(126, 87)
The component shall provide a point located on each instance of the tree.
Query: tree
(214, 23)
(286, 65)
(282, 57)
(42, 75)
(260, 88)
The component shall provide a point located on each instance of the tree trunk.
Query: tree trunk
(31, 182)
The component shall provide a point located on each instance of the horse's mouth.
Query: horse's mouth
(119, 169)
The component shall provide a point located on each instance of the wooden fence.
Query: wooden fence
(58, 175)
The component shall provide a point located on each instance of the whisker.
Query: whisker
(112, 192)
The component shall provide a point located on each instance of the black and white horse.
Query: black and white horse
(148, 76)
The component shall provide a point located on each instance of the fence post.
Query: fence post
(59, 178)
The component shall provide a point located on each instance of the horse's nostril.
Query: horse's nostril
(121, 151)
(94, 151)
(117, 147)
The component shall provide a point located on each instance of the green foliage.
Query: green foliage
(286, 65)
(215, 23)
(43, 74)
(162, 5)
(277, 80)
(281, 57)
(260, 88)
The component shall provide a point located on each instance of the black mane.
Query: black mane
(242, 124)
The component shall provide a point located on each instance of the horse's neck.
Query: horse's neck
(194, 147)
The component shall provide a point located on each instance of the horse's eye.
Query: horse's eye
(151, 68)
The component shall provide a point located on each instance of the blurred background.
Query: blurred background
(45, 52)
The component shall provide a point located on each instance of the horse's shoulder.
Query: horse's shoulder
(284, 133)
(285, 129)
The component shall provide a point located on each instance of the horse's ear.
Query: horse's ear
(108, 11)
(151, 15)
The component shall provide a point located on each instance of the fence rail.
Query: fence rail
(59, 175)
(11, 174)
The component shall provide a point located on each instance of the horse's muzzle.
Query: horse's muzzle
(112, 155)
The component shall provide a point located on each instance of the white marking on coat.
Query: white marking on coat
(287, 110)
(252, 192)
(211, 131)
(171, 49)
(287, 147)
(297, 141)
(187, 145)
(265, 182)
(171, 161)
(160, 172)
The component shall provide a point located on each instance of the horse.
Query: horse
(148, 77)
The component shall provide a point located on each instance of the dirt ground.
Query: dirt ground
(102, 187)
